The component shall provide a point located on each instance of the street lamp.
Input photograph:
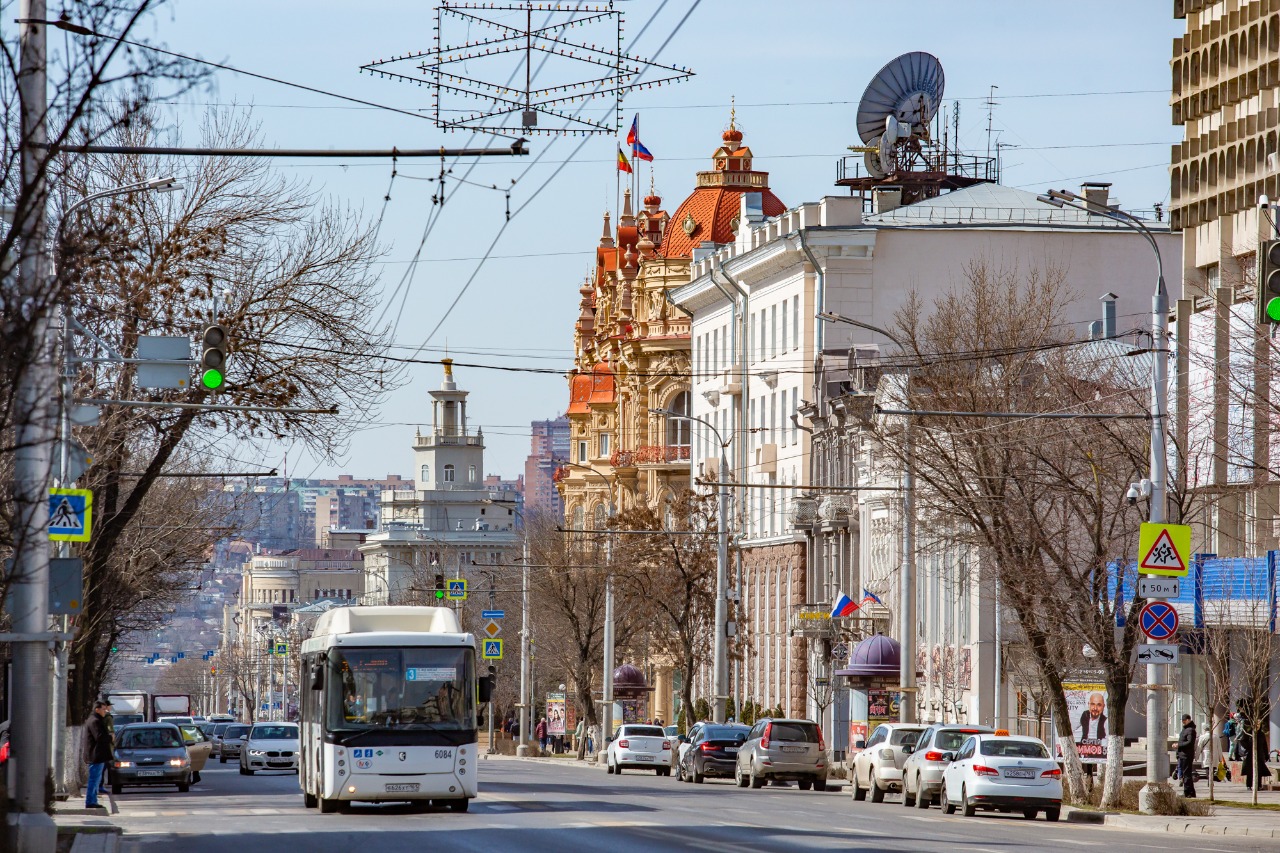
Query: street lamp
(907, 576)
(522, 748)
(1153, 486)
(606, 712)
(720, 647)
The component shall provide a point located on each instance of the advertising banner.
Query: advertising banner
(1087, 708)
(555, 713)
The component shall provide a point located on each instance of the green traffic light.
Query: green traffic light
(1273, 309)
(212, 379)
(439, 593)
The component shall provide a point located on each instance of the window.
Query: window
(448, 473)
(600, 517)
(715, 350)
(784, 325)
(577, 518)
(426, 473)
(773, 416)
(471, 473)
(785, 415)
(604, 444)
(582, 451)
(773, 332)
(795, 424)
(795, 323)
(679, 429)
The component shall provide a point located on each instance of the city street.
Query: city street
(559, 808)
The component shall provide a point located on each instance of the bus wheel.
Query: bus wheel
(308, 800)
(328, 806)
(459, 805)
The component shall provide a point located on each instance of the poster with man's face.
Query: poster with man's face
(1087, 710)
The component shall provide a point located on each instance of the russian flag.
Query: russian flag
(869, 596)
(844, 607)
(633, 139)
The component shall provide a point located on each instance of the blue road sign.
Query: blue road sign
(493, 614)
(70, 515)
(1158, 620)
(457, 589)
(492, 650)
(182, 655)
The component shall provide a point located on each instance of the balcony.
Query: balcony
(650, 454)
(834, 510)
(803, 513)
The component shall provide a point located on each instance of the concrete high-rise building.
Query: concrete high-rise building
(548, 446)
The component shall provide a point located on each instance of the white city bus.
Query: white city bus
(389, 699)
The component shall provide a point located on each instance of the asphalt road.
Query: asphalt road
(558, 808)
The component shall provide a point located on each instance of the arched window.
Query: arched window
(577, 518)
(448, 473)
(678, 429)
(600, 517)
(426, 474)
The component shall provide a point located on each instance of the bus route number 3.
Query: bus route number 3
(444, 753)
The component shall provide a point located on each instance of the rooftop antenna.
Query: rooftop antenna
(992, 103)
(897, 105)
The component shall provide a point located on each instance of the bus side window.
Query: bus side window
(317, 676)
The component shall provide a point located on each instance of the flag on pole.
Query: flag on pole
(868, 597)
(844, 607)
(624, 165)
(633, 139)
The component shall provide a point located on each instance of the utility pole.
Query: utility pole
(523, 747)
(34, 437)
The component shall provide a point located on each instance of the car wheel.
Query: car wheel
(1029, 814)
(698, 777)
(968, 808)
(877, 793)
(664, 771)
(820, 783)
(1052, 815)
(459, 805)
(922, 798)
(328, 806)
(806, 784)
(608, 766)
(907, 799)
(738, 777)
(756, 781)
(117, 788)
(859, 792)
(948, 807)
(222, 759)
(680, 777)
(617, 769)
(308, 801)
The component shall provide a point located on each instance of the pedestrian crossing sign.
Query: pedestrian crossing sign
(492, 650)
(70, 515)
(1164, 549)
(457, 589)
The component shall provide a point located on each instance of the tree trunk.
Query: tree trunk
(1071, 758)
(1117, 698)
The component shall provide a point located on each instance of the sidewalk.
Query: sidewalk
(1225, 820)
(94, 832)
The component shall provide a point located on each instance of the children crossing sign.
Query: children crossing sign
(70, 515)
(1164, 549)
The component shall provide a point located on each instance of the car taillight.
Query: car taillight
(764, 740)
(1052, 774)
(985, 771)
(708, 747)
(822, 744)
(933, 755)
(666, 744)
(622, 744)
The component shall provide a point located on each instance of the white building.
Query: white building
(451, 520)
(760, 355)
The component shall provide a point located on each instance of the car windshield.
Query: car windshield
(274, 733)
(219, 728)
(738, 733)
(794, 732)
(136, 738)
(950, 740)
(234, 732)
(904, 737)
(1014, 748)
(643, 731)
(409, 688)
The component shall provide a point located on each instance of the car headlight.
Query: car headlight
(179, 762)
(124, 764)
(257, 752)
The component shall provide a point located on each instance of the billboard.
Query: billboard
(1087, 710)
(555, 714)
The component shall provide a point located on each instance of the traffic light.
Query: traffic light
(493, 670)
(1267, 290)
(213, 670)
(439, 586)
(213, 362)
(114, 648)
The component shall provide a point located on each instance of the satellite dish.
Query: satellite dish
(908, 89)
(871, 159)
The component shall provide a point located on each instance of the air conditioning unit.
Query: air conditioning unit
(767, 458)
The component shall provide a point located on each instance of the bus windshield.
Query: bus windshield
(402, 689)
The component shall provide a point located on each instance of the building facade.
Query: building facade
(548, 447)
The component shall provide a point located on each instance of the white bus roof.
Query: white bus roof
(380, 624)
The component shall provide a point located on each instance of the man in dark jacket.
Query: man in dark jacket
(1186, 756)
(97, 751)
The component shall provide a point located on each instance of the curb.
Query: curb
(96, 839)
(1176, 825)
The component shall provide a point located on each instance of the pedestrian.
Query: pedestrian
(1187, 756)
(96, 752)
(540, 732)
(580, 732)
(591, 738)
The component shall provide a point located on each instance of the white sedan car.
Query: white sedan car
(639, 746)
(1000, 771)
(270, 746)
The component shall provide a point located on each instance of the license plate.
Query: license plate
(150, 772)
(402, 788)
(1019, 773)
(731, 749)
(793, 749)
(643, 757)
(280, 763)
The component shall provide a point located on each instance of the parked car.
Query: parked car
(878, 766)
(232, 741)
(673, 735)
(150, 754)
(215, 737)
(1006, 772)
(781, 750)
(713, 751)
(639, 746)
(198, 749)
(922, 771)
(682, 743)
(270, 746)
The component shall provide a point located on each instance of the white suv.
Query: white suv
(878, 766)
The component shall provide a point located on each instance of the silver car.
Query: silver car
(922, 771)
(780, 750)
(230, 743)
(878, 766)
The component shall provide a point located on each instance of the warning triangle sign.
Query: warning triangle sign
(65, 517)
(1163, 555)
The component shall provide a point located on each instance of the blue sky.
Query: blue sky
(1083, 93)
